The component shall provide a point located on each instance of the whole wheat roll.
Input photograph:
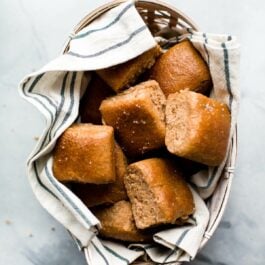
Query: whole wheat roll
(84, 153)
(197, 127)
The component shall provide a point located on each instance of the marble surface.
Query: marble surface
(32, 33)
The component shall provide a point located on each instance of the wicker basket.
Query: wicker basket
(158, 16)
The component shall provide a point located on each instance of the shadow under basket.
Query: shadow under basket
(168, 22)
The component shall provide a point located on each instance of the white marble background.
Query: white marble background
(32, 33)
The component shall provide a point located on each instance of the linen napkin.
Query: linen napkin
(117, 36)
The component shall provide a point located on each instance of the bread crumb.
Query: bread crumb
(8, 222)
(36, 138)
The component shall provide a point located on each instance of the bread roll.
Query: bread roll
(137, 115)
(85, 153)
(93, 195)
(96, 91)
(197, 127)
(181, 67)
(123, 75)
(158, 193)
(117, 222)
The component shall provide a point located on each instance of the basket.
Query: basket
(158, 16)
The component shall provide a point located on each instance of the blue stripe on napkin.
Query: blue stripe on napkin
(119, 16)
(118, 45)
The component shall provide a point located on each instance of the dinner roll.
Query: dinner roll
(197, 127)
(158, 193)
(181, 67)
(117, 222)
(85, 153)
(137, 115)
(123, 75)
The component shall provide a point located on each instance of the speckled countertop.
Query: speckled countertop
(32, 33)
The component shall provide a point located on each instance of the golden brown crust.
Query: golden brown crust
(137, 115)
(204, 138)
(123, 75)
(93, 195)
(84, 153)
(171, 195)
(181, 67)
(96, 91)
(118, 223)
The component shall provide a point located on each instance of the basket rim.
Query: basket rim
(169, 6)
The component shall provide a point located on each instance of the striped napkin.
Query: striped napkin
(117, 36)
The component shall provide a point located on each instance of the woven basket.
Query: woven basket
(158, 16)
